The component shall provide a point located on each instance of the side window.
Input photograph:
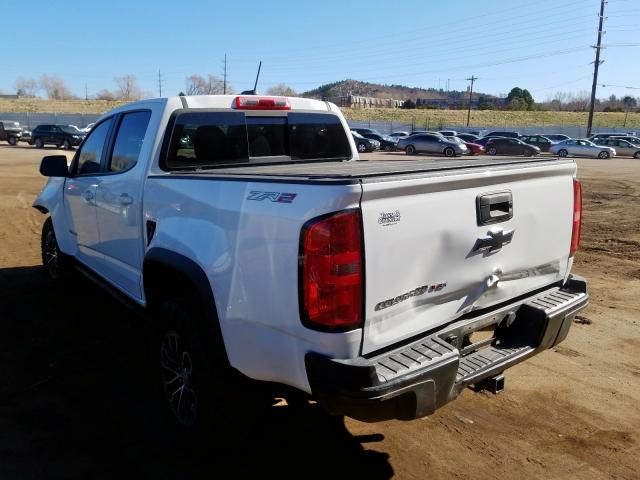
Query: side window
(129, 141)
(91, 152)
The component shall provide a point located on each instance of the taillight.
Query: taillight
(261, 103)
(577, 217)
(330, 272)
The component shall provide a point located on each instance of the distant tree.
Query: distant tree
(520, 99)
(55, 87)
(106, 95)
(26, 87)
(409, 104)
(212, 85)
(629, 103)
(127, 88)
(282, 89)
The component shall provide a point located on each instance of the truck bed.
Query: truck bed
(362, 171)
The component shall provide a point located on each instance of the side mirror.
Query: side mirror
(54, 166)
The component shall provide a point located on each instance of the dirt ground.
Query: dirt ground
(74, 400)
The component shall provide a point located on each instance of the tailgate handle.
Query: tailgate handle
(494, 207)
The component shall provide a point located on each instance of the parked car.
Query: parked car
(399, 134)
(557, 137)
(510, 146)
(10, 132)
(59, 135)
(583, 148)
(468, 137)
(448, 133)
(387, 143)
(540, 141)
(251, 269)
(364, 144)
(483, 141)
(622, 147)
(26, 134)
(472, 148)
(429, 143)
(87, 128)
(597, 136)
(506, 134)
(629, 138)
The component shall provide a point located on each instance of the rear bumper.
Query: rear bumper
(414, 379)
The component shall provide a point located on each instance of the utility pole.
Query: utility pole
(86, 92)
(159, 83)
(224, 83)
(596, 64)
(472, 79)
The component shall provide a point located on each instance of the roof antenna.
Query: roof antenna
(255, 85)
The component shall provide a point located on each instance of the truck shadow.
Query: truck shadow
(76, 402)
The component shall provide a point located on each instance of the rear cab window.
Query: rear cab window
(210, 139)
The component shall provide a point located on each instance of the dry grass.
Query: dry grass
(491, 118)
(421, 118)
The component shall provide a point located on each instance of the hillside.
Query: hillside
(398, 92)
(40, 105)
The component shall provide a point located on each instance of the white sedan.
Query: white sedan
(582, 148)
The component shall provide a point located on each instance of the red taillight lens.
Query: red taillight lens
(577, 217)
(261, 103)
(330, 272)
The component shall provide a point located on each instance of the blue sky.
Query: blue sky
(541, 46)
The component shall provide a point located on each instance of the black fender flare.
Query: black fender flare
(198, 278)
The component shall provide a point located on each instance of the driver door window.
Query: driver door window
(90, 154)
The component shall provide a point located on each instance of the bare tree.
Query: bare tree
(212, 85)
(106, 95)
(128, 88)
(55, 87)
(26, 87)
(281, 89)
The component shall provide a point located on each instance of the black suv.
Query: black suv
(540, 141)
(59, 135)
(510, 146)
(503, 134)
(10, 131)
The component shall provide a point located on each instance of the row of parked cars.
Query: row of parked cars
(451, 143)
(62, 136)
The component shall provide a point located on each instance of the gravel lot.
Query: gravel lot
(75, 402)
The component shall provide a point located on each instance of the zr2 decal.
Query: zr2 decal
(273, 196)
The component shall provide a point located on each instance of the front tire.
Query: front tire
(410, 150)
(67, 145)
(362, 148)
(636, 155)
(56, 264)
(39, 143)
(492, 151)
(449, 152)
(12, 141)
(387, 148)
(563, 153)
(604, 155)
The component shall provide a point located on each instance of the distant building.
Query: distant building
(450, 104)
(355, 101)
(9, 97)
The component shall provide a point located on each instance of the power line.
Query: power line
(596, 65)
(620, 86)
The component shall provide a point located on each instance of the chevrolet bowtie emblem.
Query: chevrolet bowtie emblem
(493, 241)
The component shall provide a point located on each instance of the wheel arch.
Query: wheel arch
(161, 264)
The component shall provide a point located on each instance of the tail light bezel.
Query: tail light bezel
(304, 317)
(576, 219)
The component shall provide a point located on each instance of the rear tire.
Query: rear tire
(528, 153)
(39, 143)
(410, 150)
(387, 148)
(636, 155)
(563, 153)
(362, 148)
(492, 151)
(604, 155)
(12, 141)
(57, 265)
(449, 152)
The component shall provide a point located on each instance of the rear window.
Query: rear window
(213, 139)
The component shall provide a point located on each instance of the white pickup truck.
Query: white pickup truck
(251, 233)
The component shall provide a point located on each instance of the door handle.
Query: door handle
(494, 207)
(126, 199)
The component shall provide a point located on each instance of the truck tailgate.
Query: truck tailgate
(440, 246)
